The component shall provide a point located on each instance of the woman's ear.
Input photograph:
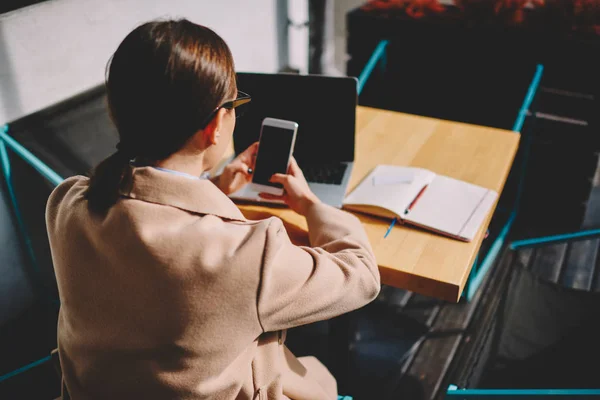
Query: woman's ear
(213, 129)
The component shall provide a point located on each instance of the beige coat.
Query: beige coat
(175, 295)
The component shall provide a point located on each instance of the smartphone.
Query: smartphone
(275, 148)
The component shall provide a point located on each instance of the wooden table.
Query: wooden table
(411, 258)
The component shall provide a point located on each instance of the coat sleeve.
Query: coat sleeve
(300, 285)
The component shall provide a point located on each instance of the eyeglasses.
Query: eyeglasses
(241, 99)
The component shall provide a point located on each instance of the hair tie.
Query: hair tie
(125, 150)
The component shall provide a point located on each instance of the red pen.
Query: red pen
(410, 206)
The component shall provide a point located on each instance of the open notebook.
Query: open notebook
(420, 197)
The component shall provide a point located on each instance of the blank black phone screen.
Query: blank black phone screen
(273, 154)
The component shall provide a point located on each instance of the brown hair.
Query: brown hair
(165, 78)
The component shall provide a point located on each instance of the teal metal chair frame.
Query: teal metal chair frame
(25, 368)
(6, 143)
(454, 392)
(564, 237)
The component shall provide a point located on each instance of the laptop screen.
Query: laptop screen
(324, 108)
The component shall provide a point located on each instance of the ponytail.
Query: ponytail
(105, 180)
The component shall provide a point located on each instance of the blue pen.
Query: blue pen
(390, 228)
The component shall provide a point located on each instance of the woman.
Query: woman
(167, 291)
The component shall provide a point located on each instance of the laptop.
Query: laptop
(325, 110)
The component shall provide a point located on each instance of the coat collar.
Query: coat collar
(200, 196)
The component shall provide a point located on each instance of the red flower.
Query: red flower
(511, 11)
(413, 8)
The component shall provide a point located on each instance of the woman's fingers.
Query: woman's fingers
(241, 167)
(280, 178)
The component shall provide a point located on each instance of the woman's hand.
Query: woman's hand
(297, 195)
(236, 174)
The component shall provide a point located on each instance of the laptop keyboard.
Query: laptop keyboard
(325, 173)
